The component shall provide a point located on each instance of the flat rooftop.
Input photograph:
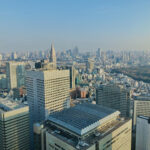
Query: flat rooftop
(83, 118)
(8, 104)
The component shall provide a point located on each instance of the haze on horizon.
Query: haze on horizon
(88, 24)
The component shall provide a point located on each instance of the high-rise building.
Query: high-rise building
(14, 125)
(50, 64)
(143, 133)
(114, 96)
(84, 127)
(1, 57)
(47, 92)
(72, 75)
(47, 89)
(13, 56)
(89, 64)
(15, 74)
(3, 81)
(98, 53)
(52, 58)
(142, 108)
(21, 73)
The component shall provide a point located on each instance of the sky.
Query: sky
(28, 25)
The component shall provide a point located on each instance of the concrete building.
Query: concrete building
(89, 64)
(115, 97)
(15, 74)
(72, 76)
(52, 58)
(143, 133)
(47, 92)
(3, 81)
(14, 125)
(141, 108)
(85, 127)
(1, 57)
(47, 89)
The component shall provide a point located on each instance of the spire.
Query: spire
(52, 57)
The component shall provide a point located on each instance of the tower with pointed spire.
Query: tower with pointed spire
(50, 64)
(52, 58)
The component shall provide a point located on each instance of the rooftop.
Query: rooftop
(8, 104)
(83, 118)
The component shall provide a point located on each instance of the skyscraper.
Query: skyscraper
(114, 96)
(15, 73)
(47, 89)
(14, 125)
(141, 108)
(72, 71)
(47, 92)
(52, 58)
(143, 133)
(1, 57)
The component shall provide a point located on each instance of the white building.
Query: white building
(141, 108)
(14, 125)
(143, 133)
(47, 92)
(12, 72)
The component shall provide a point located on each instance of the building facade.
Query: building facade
(14, 126)
(141, 108)
(15, 73)
(86, 127)
(47, 92)
(114, 96)
(143, 133)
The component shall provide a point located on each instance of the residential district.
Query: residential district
(74, 101)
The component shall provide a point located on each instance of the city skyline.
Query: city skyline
(30, 26)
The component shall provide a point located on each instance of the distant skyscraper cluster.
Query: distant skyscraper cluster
(73, 101)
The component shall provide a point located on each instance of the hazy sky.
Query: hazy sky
(89, 24)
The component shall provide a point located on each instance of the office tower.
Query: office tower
(21, 73)
(75, 51)
(47, 92)
(143, 133)
(52, 58)
(1, 57)
(50, 64)
(85, 127)
(15, 74)
(98, 53)
(142, 108)
(14, 125)
(89, 65)
(3, 81)
(72, 75)
(114, 96)
(13, 56)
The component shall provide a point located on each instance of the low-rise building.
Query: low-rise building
(85, 127)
